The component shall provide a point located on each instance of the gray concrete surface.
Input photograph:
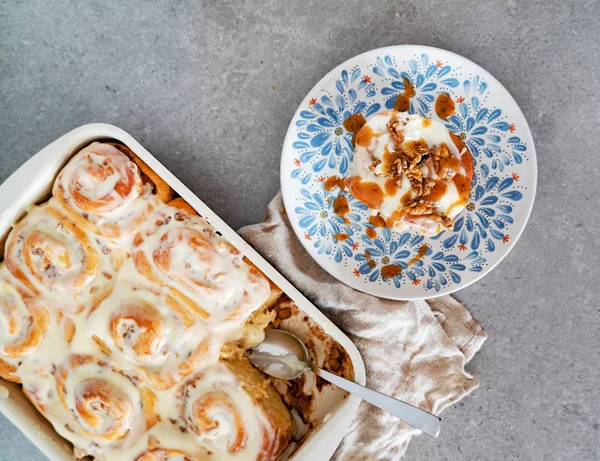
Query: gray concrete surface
(209, 88)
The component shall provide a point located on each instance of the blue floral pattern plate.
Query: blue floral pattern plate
(486, 117)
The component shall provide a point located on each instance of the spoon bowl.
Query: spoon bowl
(281, 355)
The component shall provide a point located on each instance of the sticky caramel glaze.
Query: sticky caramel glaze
(340, 206)
(367, 192)
(422, 252)
(377, 221)
(398, 214)
(334, 181)
(353, 124)
(364, 136)
(466, 158)
(448, 166)
(394, 218)
(387, 272)
(402, 103)
(390, 186)
(437, 192)
(444, 106)
(463, 186)
(387, 159)
(420, 145)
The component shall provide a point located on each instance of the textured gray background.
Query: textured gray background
(210, 89)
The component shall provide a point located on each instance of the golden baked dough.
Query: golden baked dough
(162, 190)
(133, 297)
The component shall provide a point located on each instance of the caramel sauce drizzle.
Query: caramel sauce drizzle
(353, 124)
(368, 192)
(332, 182)
(402, 103)
(340, 206)
(463, 186)
(422, 252)
(390, 271)
(341, 237)
(444, 106)
(377, 221)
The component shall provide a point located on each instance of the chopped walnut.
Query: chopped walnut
(419, 207)
(153, 442)
(394, 127)
(444, 221)
(428, 185)
(438, 155)
(420, 185)
(374, 165)
(413, 152)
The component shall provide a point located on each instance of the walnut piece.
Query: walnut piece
(374, 165)
(444, 221)
(419, 207)
(421, 186)
(438, 154)
(395, 128)
(414, 151)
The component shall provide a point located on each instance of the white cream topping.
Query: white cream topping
(414, 129)
(146, 330)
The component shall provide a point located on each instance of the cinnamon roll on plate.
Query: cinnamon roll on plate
(411, 171)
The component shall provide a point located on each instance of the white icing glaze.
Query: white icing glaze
(119, 341)
(58, 260)
(99, 187)
(221, 414)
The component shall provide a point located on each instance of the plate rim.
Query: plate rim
(527, 131)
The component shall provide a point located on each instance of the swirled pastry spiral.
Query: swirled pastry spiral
(216, 407)
(24, 322)
(200, 268)
(152, 331)
(99, 187)
(103, 406)
(56, 259)
(123, 318)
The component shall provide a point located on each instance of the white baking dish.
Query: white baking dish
(32, 183)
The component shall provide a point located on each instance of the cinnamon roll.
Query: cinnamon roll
(151, 330)
(225, 418)
(104, 408)
(411, 171)
(24, 322)
(200, 268)
(56, 259)
(125, 317)
(98, 188)
(163, 191)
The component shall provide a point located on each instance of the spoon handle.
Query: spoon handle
(421, 419)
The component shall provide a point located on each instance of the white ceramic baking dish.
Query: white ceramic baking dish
(32, 182)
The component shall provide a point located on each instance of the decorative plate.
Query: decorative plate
(486, 117)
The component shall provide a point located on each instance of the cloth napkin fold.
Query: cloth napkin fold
(415, 351)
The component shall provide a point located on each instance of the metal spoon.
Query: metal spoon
(282, 355)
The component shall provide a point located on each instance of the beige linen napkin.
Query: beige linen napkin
(415, 351)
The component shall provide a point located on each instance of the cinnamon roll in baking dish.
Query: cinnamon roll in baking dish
(115, 304)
